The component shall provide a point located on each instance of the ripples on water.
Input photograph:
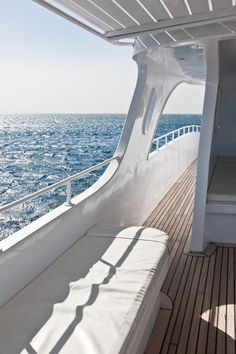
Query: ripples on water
(39, 150)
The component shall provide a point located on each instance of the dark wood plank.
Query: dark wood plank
(214, 310)
(179, 306)
(222, 306)
(169, 200)
(196, 318)
(205, 313)
(177, 258)
(230, 325)
(154, 345)
(172, 349)
(190, 308)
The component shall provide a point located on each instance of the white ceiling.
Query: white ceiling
(150, 22)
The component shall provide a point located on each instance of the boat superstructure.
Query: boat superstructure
(174, 42)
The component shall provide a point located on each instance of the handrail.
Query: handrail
(66, 181)
(175, 134)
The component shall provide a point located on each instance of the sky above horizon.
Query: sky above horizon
(49, 65)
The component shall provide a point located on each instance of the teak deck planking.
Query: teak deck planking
(202, 287)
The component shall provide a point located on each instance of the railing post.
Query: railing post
(173, 136)
(157, 144)
(165, 139)
(68, 193)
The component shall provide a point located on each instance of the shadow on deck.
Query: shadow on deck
(202, 287)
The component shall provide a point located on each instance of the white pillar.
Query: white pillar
(199, 241)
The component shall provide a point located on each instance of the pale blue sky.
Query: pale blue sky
(49, 65)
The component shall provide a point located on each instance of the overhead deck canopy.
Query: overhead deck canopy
(149, 22)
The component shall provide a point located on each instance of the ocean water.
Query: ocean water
(41, 149)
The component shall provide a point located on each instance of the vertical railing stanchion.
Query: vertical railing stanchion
(157, 144)
(68, 193)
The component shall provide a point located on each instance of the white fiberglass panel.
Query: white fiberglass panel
(115, 11)
(221, 4)
(72, 9)
(231, 25)
(102, 16)
(136, 11)
(179, 35)
(156, 9)
(150, 110)
(207, 30)
(177, 7)
(149, 41)
(163, 38)
(198, 6)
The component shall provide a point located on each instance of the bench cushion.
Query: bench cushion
(90, 300)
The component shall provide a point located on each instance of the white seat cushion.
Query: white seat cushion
(91, 299)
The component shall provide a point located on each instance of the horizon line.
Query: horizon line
(92, 113)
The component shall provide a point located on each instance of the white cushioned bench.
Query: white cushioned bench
(101, 296)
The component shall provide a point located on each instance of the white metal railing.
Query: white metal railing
(166, 138)
(66, 181)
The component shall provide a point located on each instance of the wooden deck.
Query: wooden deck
(202, 288)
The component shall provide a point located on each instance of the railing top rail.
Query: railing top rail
(57, 184)
(175, 131)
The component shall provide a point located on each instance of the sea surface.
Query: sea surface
(41, 149)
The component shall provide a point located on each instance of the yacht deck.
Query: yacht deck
(201, 287)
